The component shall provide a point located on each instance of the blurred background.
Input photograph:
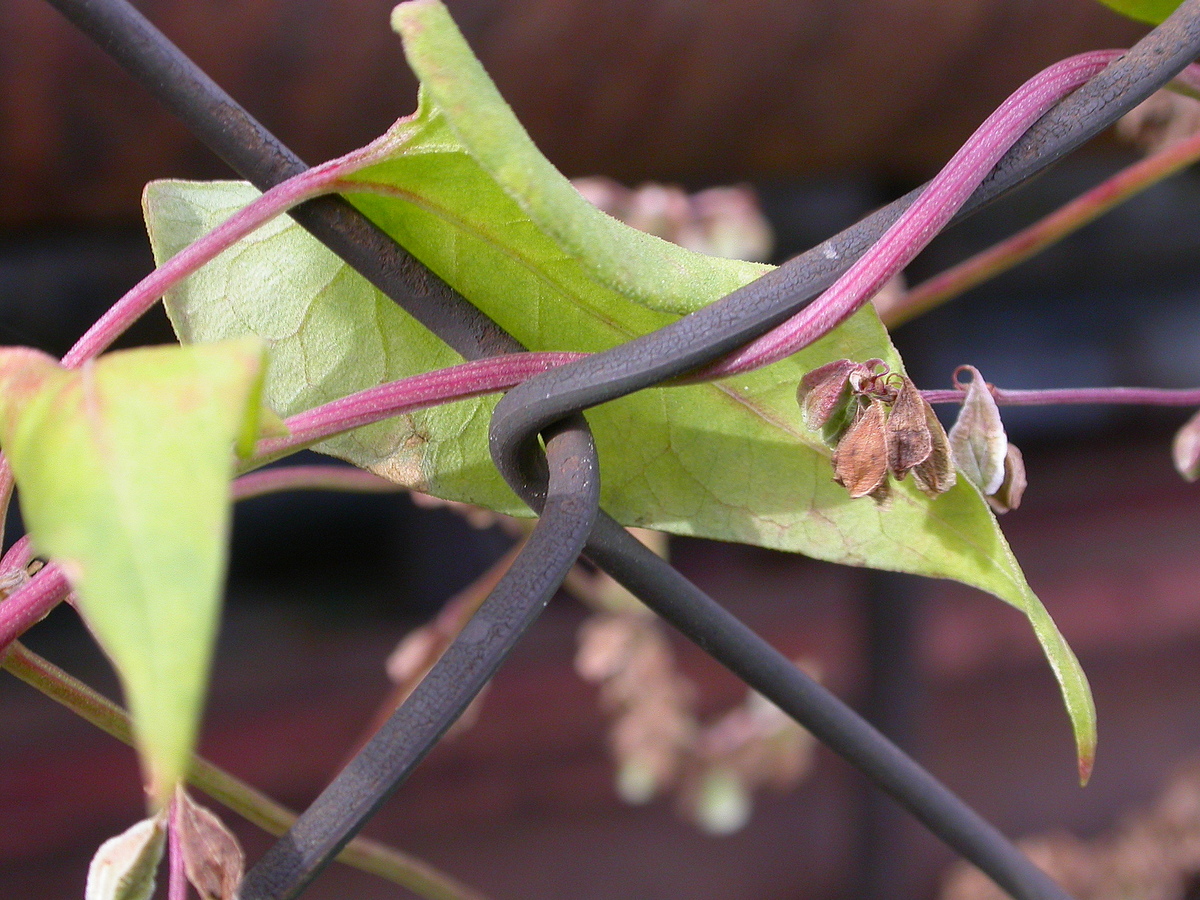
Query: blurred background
(827, 109)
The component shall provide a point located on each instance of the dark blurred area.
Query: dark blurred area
(829, 108)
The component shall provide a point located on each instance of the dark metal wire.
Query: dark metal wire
(471, 659)
(570, 472)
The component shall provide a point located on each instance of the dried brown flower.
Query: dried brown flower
(878, 423)
(909, 441)
(212, 858)
(936, 474)
(860, 462)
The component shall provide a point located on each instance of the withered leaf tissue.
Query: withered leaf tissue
(878, 424)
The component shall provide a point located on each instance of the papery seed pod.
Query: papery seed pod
(908, 440)
(860, 462)
(824, 391)
(1186, 448)
(936, 474)
(124, 866)
(212, 857)
(1008, 496)
(978, 444)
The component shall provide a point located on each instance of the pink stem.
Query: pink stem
(1037, 237)
(17, 557)
(314, 182)
(1114, 395)
(321, 179)
(30, 603)
(395, 398)
(177, 885)
(321, 478)
(928, 214)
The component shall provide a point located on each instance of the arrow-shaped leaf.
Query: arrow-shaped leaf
(460, 185)
(123, 471)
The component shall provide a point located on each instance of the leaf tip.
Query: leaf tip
(1087, 760)
(406, 16)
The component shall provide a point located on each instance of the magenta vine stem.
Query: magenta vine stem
(910, 234)
(177, 886)
(470, 379)
(1037, 237)
(1062, 396)
(314, 478)
(29, 604)
(133, 305)
(928, 214)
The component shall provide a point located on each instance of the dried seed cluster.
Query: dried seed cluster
(878, 423)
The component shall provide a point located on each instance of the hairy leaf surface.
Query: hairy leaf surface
(123, 471)
(460, 185)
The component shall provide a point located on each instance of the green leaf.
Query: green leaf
(123, 471)
(466, 191)
(1153, 11)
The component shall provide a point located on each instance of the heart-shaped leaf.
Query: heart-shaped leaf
(123, 471)
(460, 185)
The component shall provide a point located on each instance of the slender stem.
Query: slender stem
(134, 304)
(1042, 234)
(311, 478)
(31, 602)
(470, 379)
(177, 885)
(256, 807)
(15, 560)
(928, 214)
(1110, 395)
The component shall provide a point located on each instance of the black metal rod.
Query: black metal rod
(762, 667)
(471, 659)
